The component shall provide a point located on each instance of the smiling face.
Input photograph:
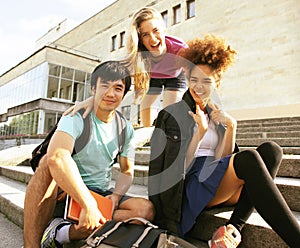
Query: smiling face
(153, 37)
(108, 95)
(202, 84)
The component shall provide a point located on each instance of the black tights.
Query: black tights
(258, 168)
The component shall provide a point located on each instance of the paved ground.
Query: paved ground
(11, 236)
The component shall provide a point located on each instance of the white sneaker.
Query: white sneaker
(225, 237)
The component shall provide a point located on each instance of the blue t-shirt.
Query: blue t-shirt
(95, 160)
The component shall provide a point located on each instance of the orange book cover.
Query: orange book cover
(72, 209)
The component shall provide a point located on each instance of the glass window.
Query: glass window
(122, 39)
(79, 76)
(67, 73)
(52, 87)
(126, 111)
(71, 85)
(165, 17)
(54, 70)
(114, 43)
(177, 14)
(190, 8)
(78, 94)
(64, 85)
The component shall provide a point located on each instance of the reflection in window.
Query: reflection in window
(177, 14)
(78, 92)
(72, 85)
(26, 123)
(122, 39)
(50, 120)
(190, 8)
(114, 43)
(126, 111)
(52, 87)
(165, 17)
(80, 76)
(67, 73)
(63, 88)
(54, 70)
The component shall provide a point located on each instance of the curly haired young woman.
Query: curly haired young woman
(195, 163)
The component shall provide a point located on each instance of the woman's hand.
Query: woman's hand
(200, 119)
(87, 104)
(219, 116)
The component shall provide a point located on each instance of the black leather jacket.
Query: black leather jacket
(174, 128)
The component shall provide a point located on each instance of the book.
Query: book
(72, 208)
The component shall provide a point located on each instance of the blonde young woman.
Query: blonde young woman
(195, 163)
(152, 60)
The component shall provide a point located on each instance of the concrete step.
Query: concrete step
(255, 234)
(11, 235)
(282, 121)
(290, 165)
(289, 150)
(272, 128)
(283, 142)
(268, 135)
(289, 187)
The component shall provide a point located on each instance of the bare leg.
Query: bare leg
(148, 114)
(135, 207)
(39, 204)
(172, 96)
(229, 188)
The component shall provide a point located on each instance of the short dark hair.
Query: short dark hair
(111, 71)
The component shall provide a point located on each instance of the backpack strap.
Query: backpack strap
(84, 137)
(121, 126)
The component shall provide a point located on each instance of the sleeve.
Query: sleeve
(175, 44)
(72, 125)
(156, 166)
(129, 149)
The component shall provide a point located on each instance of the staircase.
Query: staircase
(284, 131)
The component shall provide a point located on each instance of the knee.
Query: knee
(246, 162)
(271, 154)
(146, 209)
(270, 147)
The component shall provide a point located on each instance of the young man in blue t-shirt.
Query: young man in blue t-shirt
(90, 168)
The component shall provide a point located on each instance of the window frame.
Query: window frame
(190, 12)
(176, 14)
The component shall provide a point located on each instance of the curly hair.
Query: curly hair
(212, 51)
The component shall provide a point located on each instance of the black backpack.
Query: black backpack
(82, 140)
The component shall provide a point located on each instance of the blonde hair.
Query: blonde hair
(211, 50)
(138, 60)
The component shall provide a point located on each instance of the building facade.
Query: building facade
(263, 83)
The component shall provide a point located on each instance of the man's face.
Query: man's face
(108, 95)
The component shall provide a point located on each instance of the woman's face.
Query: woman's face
(153, 37)
(201, 84)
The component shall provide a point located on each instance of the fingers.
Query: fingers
(102, 220)
(199, 117)
(86, 225)
(87, 111)
(69, 110)
(213, 106)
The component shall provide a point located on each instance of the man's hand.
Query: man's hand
(115, 200)
(90, 218)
